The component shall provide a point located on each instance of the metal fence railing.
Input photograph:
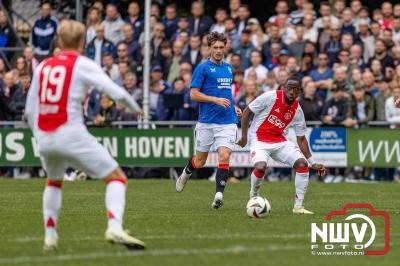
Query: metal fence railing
(171, 124)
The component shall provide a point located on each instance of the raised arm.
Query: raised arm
(95, 76)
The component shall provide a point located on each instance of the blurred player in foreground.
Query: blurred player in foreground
(212, 87)
(54, 113)
(273, 113)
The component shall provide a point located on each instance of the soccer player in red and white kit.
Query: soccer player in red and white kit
(273, 113)
(54, 112)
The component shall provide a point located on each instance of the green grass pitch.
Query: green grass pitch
(182, 229)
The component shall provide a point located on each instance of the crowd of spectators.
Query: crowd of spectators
(347, 57)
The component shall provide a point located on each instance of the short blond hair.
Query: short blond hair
(70, 33)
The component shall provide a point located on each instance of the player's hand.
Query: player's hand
(320, 168)
(397, 103)
(223, 102)
(242, 142)
(238, 111)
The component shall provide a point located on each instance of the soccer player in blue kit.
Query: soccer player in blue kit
(211, 86)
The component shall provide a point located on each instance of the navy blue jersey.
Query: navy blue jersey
(215, 80)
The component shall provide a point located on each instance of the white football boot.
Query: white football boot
(218, 201)
(119, 236)
(181, 181)
(50, 242)
(301, 210)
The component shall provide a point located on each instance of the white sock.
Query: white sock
(219, 195)
(51, 208)
(256, 180)
(115, 203)
(301, 183)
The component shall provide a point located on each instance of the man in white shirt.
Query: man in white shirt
(113, 24)
(110, 68)
(261, 71)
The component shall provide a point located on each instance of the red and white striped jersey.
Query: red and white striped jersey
(59, 87)
(273, 117)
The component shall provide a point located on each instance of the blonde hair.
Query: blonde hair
(70, 33)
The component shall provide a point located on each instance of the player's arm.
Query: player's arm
(94, 75)
(197, 96)
(300, 129)
(32, 100)
(247, 116)
(198, 79)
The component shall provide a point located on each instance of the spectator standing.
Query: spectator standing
(7, 34)
(220, 16)
(242, 18)
(134, 48)
(310, 102)
(193, 54)
(113, 25)
(31, 61)
(322, 75)
(170, 21)
(99, 46)
(135, 19)
(244, 49)
(173, 71)
(361, 109)
(366, 39)
(325, 10)
(110, 67)
(198, 22)
(18, 99)
(392, 113)
(93, 19)
(380, 100)
(296, 48)
(44, 31)
(250, 93)
(156, 40)
(261, 71)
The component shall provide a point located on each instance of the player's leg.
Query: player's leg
(89, 156)
(225, 139)
(222, 175)
(116, 184)
(259, 157)
(52, 199)
(290, 154)
(301, 183)
(204, 140)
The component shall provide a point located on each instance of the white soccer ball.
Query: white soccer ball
(258, 207)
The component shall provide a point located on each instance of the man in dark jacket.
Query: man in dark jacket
(335, 109)
(99, 46)
(361, 108)
(44, 31)
(199, 23)
(18, 100)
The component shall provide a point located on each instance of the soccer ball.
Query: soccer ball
(258, 207)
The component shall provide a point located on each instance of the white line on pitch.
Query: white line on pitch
(230, 236)
(154, 253)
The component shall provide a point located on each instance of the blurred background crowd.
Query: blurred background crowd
(346, 54)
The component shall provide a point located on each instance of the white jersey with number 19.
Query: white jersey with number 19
(54, 111)
(59, 87)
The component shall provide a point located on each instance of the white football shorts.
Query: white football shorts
(285, 152)
(76, 148)
(219, 135)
